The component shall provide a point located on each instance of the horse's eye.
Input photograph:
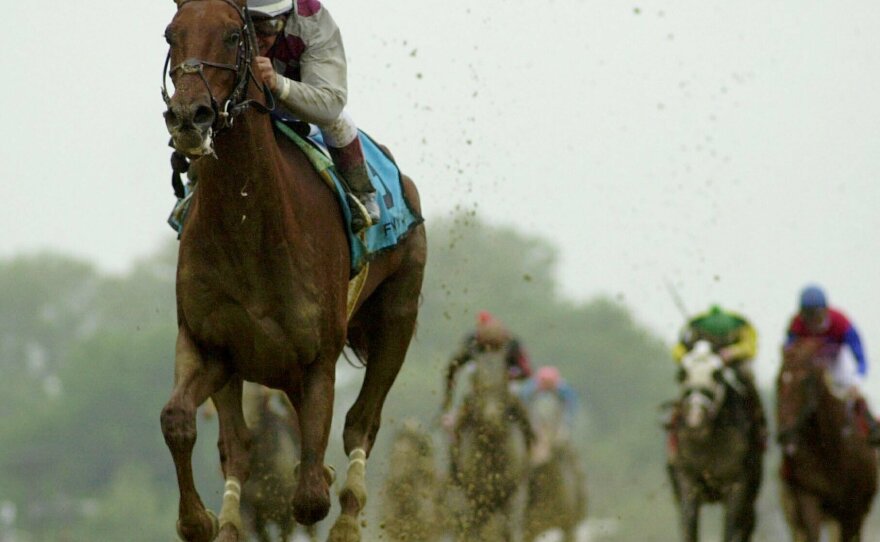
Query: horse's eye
(233, 38)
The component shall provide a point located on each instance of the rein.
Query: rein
(236, 103)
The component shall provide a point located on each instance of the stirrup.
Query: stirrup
(360, 217)
(365, 210)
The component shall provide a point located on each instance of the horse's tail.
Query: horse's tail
(358, 345)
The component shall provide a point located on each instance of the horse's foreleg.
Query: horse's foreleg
(194, 381)
(739, 520)
(311, 499)
(851, 529)
(234, 444)
(808, 508)
(690, 512)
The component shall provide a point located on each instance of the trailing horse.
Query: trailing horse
(265, 497)
(263, 283)
(718, 457)
(410, 497)
(490, 455)
(557, 484)
(829, 470)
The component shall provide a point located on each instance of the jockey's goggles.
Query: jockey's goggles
(269, 27)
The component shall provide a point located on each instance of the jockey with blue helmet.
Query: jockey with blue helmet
(302, 61)
(842, 346)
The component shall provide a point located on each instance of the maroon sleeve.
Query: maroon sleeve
(307, 8)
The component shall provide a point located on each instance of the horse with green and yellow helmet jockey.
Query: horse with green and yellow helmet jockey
(731, 335)
(734, 339)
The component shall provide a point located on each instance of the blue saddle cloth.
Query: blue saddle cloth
(397, 216)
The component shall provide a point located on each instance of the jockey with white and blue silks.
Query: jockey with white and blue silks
(302, 61)
(548, 380)
(841, 346)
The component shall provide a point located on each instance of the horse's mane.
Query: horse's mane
(800, 352)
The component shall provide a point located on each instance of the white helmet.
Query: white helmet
(269, 8)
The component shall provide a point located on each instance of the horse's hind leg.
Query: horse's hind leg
(850, 529)
(386, 321)
(234, 445)
(194, 381)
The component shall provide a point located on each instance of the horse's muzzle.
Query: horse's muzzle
(191, 128)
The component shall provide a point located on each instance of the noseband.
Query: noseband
(235, 103)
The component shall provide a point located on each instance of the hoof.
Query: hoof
(228, 534)
(203, 532)
(345, 529)
(311, 507)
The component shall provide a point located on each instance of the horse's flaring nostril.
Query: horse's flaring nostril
(171, 119)
(203, 117)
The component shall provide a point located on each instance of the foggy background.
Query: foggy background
(729, 148)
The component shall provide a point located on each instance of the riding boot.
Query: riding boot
(350, 163)
(670, 424)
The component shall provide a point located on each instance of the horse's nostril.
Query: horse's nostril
(171, 118)
(204, 116)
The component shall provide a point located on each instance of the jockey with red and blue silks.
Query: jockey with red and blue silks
(490, 334)
(302, 61)
(842, 346)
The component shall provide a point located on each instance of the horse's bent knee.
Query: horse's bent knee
(178, 426)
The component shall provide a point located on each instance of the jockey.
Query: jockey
(548, 380)
(302, 61)
(490, 334)
(735, 341)
(842, 347)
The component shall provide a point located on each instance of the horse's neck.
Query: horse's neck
(830, 417)
(240, 195)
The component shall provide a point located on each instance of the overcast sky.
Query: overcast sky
(731, 147)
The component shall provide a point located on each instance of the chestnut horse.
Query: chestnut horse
(829, 470)
(262, 282)
(411, 507)
(557, 483)
(490, 455)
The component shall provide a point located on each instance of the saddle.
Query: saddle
(397, 215)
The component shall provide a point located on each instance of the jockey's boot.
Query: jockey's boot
(670, 423)
(350, 163)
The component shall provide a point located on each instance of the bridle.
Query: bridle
(709, 399)
(237, 102)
